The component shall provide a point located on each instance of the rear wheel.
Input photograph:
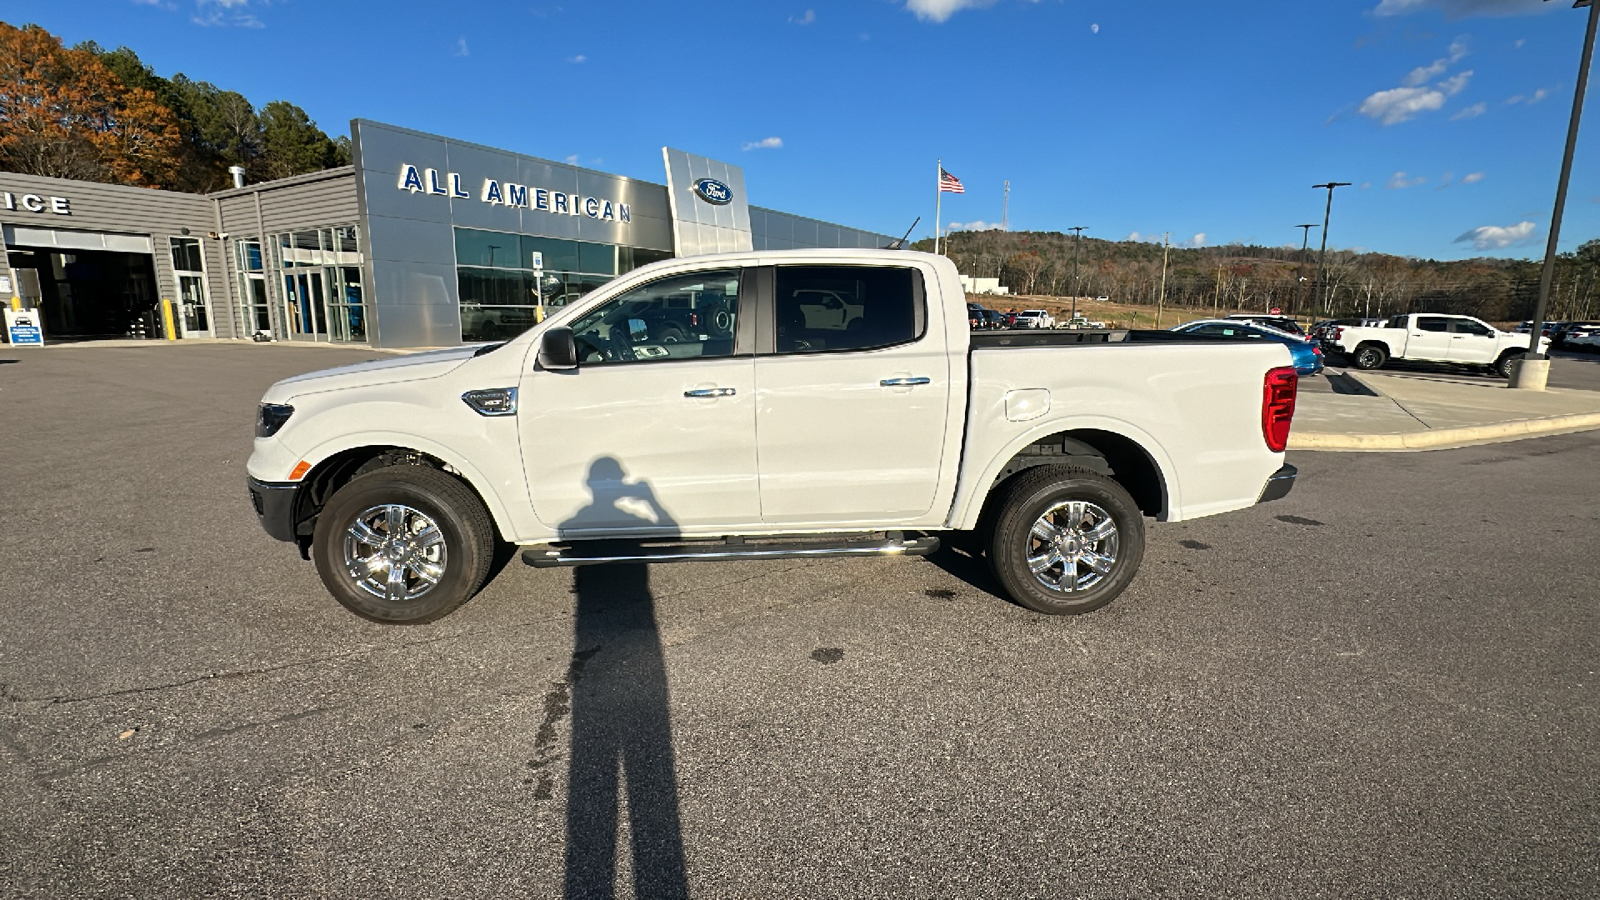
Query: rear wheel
(403, 544)
(1065, 540)
(1370, 356)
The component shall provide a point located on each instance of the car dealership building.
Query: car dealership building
(424, 241)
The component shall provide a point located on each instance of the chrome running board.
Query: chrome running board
(599, 552)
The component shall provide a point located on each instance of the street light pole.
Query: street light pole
(1076, 237)
(1322, 258)
(1300, 289)
(1532, 372)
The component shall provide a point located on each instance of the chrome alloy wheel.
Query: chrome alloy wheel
(394, 552)
(1073, 546)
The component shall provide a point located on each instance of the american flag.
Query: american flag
(949, 183)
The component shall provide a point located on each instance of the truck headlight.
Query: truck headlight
(270, 418)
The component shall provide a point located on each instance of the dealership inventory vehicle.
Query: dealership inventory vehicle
(794, 434)
(1282, 323)
(1307, 355)
(1433, 338)
(1034, 318)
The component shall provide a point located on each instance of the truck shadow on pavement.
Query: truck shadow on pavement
(621, 722)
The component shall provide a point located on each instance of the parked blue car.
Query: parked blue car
(1307, 355)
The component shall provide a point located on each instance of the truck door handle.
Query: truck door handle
(711, 392)
(904, 382)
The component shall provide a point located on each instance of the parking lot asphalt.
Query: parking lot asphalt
(1382, 685)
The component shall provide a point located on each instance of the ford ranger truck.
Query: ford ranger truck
(779, 432)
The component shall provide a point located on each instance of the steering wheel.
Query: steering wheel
(618, 347)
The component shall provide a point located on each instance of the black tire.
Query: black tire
(1370, 356)
(1025, 500)
(1502, 366)
(672, 334)
(465, 543)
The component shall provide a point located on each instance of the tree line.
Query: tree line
(1254, 279)
(93, 114)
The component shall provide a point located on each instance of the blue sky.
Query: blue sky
(1209, 120)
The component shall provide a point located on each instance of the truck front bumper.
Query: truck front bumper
(274, 505)
(1279, 485)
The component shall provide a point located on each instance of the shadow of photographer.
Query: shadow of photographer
(621, 722)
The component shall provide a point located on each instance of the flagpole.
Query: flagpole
(938, 198)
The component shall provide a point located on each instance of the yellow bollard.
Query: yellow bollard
(16, 303)
(166, 319)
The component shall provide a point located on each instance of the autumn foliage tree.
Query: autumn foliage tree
(64, 114)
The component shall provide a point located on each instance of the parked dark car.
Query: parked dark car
(1282, 323)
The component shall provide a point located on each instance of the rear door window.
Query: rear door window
(1432, 323)
(825, 309)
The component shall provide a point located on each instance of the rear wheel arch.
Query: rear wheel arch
(1103, 452)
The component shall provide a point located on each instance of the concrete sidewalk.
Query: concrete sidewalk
(1408, 412)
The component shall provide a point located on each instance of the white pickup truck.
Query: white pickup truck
(1431, 337)
(1034, 318)
(773, 434)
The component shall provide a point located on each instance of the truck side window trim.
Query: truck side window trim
(771, 340)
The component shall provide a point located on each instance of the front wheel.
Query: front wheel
(1065, 540)
(403, 545)
(1505, 363)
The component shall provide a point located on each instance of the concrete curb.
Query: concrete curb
(1442, 438)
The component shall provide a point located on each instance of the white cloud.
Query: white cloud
(941, 10)
(1518, 44)
(978, 225)
(1472, 178)
(1133, 236)
(1365, 185)
(1398, 181)
(1457, 9)
(1456, 83)
(1400, 104)
(225, 13)
(767, 143)
(1471, 112)
(580, 58)
(572, 160)
(1199, 240)
(1422, 74)
(1497, 237)
(1095, 28)
(1538, 95)
(461, 48)
(807, 18)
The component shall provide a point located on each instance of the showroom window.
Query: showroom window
(500, 292)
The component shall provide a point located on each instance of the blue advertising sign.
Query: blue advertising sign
(22, 328)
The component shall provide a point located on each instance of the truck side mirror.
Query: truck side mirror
(557, 350)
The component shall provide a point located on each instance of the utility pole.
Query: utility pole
(1005, 210)
(1216, 298)
(1299, 290)
(1161, 300)
(1076, 237)
(1322, 260)
(1534, 368)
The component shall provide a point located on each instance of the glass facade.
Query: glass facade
(501, 291)
(317, 274)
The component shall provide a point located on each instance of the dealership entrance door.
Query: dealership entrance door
(304, 307)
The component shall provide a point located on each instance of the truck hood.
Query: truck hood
(411, 367)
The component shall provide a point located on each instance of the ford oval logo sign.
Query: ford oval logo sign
(713, 191)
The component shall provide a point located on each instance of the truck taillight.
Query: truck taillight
(1338, 332)
(1277, 406)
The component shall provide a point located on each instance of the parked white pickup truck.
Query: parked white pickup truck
(1034, 318)
(1435, 338)
(776, 434)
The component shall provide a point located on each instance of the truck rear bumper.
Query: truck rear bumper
(274, 506)
(1279, 485)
